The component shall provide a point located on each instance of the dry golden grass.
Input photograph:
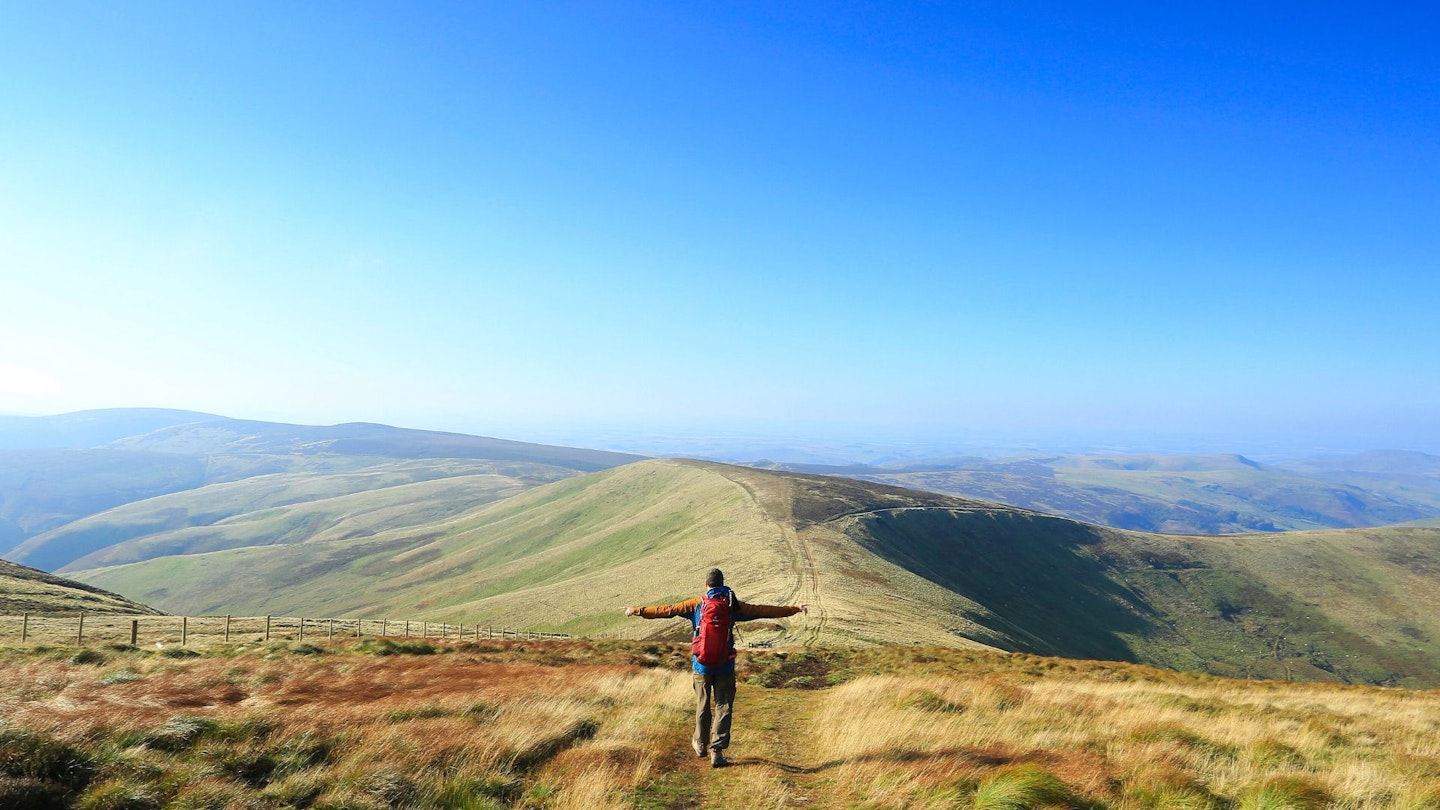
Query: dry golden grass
(1365, 748)
(606, 725)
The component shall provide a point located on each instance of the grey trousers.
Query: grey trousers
(720, 691)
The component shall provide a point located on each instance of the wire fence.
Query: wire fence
(151, 630)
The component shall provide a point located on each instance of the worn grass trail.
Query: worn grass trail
(771, 764)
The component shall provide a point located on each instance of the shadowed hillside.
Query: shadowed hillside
(877, 564)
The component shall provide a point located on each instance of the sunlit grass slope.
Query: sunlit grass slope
(604, 725)
(56, 470)
(157, 520)
(566, 556)
(27, 590)
(361, 514)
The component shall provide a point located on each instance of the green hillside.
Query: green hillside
(878, 564)
(343, 517)
(27, 590)
(57, 470)
(252, 500)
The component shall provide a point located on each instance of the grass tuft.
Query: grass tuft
(387, 646)
(1422, 797)
(34, 794)
(482, 713)
(419, 713)
(1021, 787)
(1274, 755)
(1185, 738)
(28, 754)
(927, 701)
(1285, 793)
(121, 794)
(178, 652)
(88, 656)
(179, 733)
(1173, 791)
(118, 676)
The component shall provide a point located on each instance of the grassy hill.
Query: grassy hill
(57, 470)
(1402, 475)
(878, 564)
(605, 726)
(1185, 494)
(27, 590)
(88, 428)
(222, 436)
(289, 505)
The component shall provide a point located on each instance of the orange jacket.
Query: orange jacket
(690, 609)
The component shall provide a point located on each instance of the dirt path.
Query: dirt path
(807, 581)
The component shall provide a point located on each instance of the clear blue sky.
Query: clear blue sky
(845, 218)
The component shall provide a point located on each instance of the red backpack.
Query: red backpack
(712, 646)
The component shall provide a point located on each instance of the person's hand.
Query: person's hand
(805, 609)
(629, 611)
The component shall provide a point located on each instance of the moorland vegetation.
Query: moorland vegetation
(580, 724)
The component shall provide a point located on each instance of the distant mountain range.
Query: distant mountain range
(202, 515)
(1214, 494)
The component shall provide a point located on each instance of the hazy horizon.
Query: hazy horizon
(838, 446)
(985, 225)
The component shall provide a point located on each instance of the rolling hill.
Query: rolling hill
(879, 564)
(282, 504)
(57, 470)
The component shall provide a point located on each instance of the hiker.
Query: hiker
(713, 618)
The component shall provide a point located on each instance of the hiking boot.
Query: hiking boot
(717, 759)
(699, 749)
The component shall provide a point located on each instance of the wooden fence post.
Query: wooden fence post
(267, 628)
(302, 628)
(134, 632)
(227, 627)
(80, 630)
(25, 627)
(184, 630)
(407, 628)
(331, 632)
(357, 627)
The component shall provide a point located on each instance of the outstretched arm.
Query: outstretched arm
(664, 611)
(745, 612)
